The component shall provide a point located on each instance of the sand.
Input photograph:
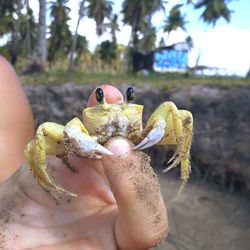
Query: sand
(205, 218)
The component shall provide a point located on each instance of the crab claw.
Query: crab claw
(153, 137)
(83, 145)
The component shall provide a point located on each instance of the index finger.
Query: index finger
(142, 218)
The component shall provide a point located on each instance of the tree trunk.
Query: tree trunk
(113, 35)
(27, 37)
(16, 33)
(74, 41)
(42, 44)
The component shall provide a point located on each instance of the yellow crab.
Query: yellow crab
(167, 125)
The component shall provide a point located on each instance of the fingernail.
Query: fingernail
(119, 147)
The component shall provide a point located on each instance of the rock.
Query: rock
(221, 144)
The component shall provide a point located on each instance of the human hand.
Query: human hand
(16, 124)
(119, 205)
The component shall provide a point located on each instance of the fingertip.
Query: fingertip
(120, 147)
(111, 93)
(118, 165)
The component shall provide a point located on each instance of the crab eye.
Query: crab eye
(130, 94)
(99, 95)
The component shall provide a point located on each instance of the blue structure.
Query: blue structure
(174, 59)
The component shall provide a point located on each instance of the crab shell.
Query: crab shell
(105, 121)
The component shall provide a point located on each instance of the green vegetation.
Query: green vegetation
(64, 56)
(169, 80)
(28, 43)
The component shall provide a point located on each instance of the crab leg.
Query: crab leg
(163, 127)
(55, 139)
(78, 142)
(47, 142)
(168, 125)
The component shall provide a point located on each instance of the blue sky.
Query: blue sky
(226, 46)
(240, 16)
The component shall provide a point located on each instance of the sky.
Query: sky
(225, 46)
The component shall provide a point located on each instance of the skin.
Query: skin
(107, 214)
(16, 126)
(112, 95)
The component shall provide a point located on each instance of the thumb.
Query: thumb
(142, 219)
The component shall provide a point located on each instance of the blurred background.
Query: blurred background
(195, 53)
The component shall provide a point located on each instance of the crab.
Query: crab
(104, 121)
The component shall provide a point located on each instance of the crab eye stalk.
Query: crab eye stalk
(99, 95)
(130, 94)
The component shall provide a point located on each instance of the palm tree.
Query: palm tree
(42, 45)
(175, 20)
(28, 32)
(7, 8)
(74, 40)
(138, 14)
(16, 32)
(147, 43)
(214, 10)
(60, 39)
(18, 24)
(81, 45)
(27, 36)
(98, 10)
(108, 51)
(6, 5)
(7, 24)
(81, 51)
(113, 26)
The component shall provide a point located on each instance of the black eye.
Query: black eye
(99, 95)
(130, 94)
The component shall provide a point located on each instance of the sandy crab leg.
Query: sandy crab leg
(80, 143)
(153, 137)
(46, 142)
(171, 127)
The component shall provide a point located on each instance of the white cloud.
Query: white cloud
(222, 47)
(124, 35)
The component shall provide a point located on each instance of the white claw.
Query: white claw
(169, 168)
(153, 137)
(87, 144)
(173, 165)
(173, 157)
(142, 143)
(100, 149)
